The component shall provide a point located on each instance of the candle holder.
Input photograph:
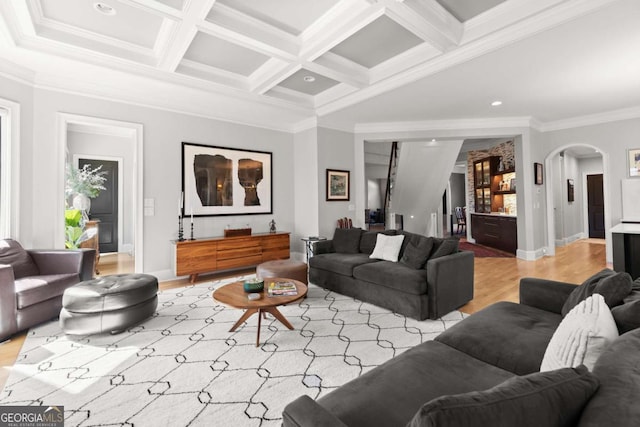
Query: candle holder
(192, 231)
(180, 233)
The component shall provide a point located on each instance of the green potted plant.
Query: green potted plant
(75, 233)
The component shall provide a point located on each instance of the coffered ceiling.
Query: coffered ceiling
(282, 62)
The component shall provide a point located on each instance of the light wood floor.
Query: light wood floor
(495, 279)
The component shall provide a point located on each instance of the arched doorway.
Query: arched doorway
(568, 215)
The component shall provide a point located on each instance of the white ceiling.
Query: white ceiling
(372, 60)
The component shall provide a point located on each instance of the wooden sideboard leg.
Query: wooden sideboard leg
(193, 278)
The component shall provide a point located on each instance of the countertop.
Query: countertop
(626, 228)
(494, 214)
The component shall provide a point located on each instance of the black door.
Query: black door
(105, 207)
(595, 201)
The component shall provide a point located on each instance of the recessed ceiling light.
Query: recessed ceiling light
(496, 103)
(309, 79)
(104, 8)
(433, 140)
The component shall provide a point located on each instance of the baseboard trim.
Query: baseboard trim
(530, 255)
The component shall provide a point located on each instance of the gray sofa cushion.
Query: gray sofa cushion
(369, 238)
(392, 393)
(340, 263)
(550, 399)
(12, 253)
(393, 275)
(527, 330)
(347, 240)
(618, 370)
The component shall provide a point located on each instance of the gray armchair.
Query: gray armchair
(32, 283)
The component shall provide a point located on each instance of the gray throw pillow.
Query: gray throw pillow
(12, 253)
(553, 398)
(584, 290)
(347, 240)
(416, 256)
(448, 247)
(627, 316)
(614, 287)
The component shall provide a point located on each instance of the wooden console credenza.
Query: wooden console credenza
(193, 257)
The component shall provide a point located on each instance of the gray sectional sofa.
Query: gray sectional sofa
(431, 278)
(485, 371)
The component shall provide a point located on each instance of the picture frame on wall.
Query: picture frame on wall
(537, 173)
(225, 181)
(570, 190)
(338, 184)
(633, 156)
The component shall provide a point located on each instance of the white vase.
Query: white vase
(81, 202)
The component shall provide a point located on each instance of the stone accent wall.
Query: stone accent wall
(506, 150)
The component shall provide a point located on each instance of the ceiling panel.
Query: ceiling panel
(377, 42)
(176, 4)
(464, 10)
(224, 55)
(297, 82)
(292, 16)
(128, 24)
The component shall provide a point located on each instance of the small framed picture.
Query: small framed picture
(570, 190)
(337, 185)
(537, 173)
(634, 162)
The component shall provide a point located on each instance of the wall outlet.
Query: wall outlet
(352, 207)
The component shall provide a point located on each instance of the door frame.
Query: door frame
(585, 200)
(10, 180)
(135, 132)
(119, 160)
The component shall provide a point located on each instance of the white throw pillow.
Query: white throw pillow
(387, 247)
(584, 333)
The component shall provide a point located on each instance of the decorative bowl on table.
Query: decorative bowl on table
(253, 285)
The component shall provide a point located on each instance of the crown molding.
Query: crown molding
(306, 124)
(17, 73)
(592, 119)
(456, 124)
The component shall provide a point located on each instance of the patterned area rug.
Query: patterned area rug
(183, 368)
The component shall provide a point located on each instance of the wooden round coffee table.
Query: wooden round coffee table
(234, 296)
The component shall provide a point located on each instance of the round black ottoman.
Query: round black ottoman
(108, 304)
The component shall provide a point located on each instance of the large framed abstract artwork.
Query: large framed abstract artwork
(225, 181)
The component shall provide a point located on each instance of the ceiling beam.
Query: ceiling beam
(194, 13)
(429, 21)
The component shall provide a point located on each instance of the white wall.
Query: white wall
(423, 172)
(612, 140)
(306, 187)
(91, 144)
(335, 151)
(163, 134)
(373, 194)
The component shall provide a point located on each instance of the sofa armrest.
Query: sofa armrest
(61, 261)
(449, 282)
(8, 322)
(544, 294)
(323, 247)
(304, 411)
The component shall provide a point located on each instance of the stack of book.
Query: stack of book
(277, 289)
